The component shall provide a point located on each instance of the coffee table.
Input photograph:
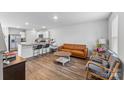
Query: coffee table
(64, 57)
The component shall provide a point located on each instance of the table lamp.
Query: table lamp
(102, 41)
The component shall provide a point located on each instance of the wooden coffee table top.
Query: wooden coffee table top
(62, 53)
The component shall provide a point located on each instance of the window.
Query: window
(115, 34)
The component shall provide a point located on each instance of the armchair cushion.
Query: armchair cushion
(105, 63)
(101, 61)
(97, 59)
(112, 62)
(99, 71)
(107, 55)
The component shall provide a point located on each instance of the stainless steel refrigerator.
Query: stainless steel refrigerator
(14, 40)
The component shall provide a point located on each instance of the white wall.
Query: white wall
(86, 33)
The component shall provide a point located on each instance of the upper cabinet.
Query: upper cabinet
(23, 34)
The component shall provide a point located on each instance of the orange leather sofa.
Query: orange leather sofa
(77, 50)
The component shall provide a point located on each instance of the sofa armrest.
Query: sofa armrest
(60, 47)
(85, 52)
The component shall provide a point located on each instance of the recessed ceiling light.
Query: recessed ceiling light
(55, 17)
(43, 27)
(26, 23)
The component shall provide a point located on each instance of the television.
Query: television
(2, 41)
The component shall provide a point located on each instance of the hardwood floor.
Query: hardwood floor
(45, 68)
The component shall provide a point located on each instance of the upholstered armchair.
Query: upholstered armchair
(104, 71)
(105, 56)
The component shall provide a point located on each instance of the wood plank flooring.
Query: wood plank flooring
(45, 68)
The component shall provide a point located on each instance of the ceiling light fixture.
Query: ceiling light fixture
(26, 23)
(55, 17)
(44, 27)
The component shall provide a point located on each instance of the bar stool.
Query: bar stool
(45, 47)
(36, 50)
(41, 49)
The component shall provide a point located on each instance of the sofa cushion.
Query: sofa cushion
(74, 46)
(66, 50)
(76, 52)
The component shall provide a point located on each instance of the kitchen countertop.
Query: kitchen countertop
(26, 44)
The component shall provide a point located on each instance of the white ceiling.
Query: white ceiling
(38, 19)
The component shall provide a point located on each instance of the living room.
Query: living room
(65, 46)
(60, 45)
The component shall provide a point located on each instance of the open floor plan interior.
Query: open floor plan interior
(61, 45)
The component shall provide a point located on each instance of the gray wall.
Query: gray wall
(86, 33)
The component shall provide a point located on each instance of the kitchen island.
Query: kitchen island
(27, 50)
